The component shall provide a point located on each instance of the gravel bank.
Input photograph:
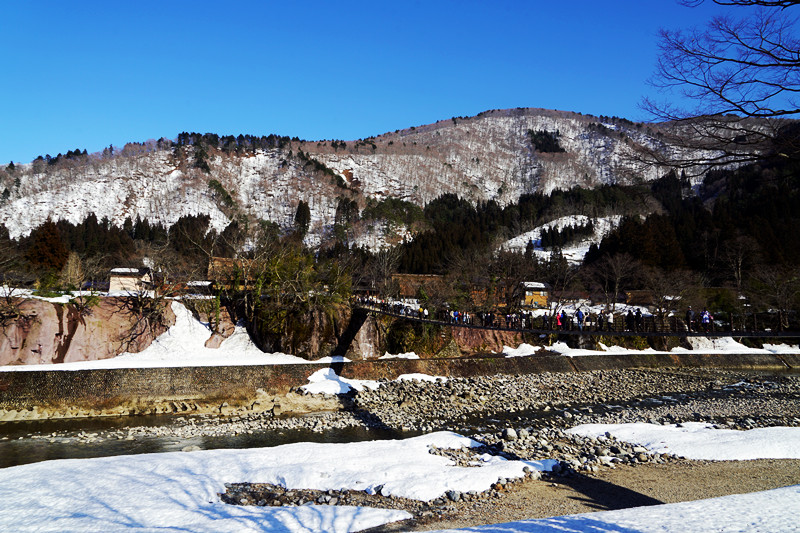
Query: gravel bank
(619, 488)
(525, 417)
(541, 405)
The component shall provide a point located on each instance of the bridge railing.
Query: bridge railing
(646, 326)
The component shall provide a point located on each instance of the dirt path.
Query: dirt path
(623, 487)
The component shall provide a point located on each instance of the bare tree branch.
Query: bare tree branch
(766, 3)
(742, 77)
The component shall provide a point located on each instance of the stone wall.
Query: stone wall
(26, 389)
(22, 389)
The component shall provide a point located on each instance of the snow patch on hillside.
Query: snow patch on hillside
(573, 252)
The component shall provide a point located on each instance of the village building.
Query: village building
(226, 272)
(534, 294)
(129, 279)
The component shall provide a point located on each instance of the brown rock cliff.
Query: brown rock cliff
(42, 332)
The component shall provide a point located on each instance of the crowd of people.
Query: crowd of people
(582, 319)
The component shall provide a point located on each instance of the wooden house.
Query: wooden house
(534, 294)
(129, 279)
(226, 271)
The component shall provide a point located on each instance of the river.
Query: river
(44, 440)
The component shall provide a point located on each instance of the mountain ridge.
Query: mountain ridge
(490, 156)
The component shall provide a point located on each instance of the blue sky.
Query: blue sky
(89, 74)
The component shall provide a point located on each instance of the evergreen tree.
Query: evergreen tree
(302, 219)
(47, 250)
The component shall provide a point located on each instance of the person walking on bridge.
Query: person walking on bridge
(706, 318)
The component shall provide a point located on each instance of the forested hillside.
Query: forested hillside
(327, 217)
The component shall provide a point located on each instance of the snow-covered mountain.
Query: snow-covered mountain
(489, 156)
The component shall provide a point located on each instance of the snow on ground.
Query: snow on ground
(407, 355)
(730, 345)
(522, 350)
(381, 234)
(704, 345)
(6, 292)
(178, 491)
(759, 512)
(326, 381)
(767, 512)
(698, 440)
(563, 349)
(720, 344)
(782, 348)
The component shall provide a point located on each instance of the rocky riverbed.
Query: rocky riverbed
(525, 417)
(519, 417)
(537, 407)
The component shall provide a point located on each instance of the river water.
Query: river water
(33, 441)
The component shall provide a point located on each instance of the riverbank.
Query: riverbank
(538, 407)
(528, 417)
(32, 394)
(610, 489)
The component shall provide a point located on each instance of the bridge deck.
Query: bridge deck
(670, 328)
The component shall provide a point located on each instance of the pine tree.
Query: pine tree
(302, 218)
(47, 250)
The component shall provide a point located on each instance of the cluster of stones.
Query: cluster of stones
(154, 408)
(603, 396)
(413, 403)
(269, 495)
(265, 494)
(743, 405)
(574, 453)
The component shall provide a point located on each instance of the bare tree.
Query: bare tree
(742, 77)
(380, 269)
(146, 306)
(610, 274)
(11, 276)
(668, 288)
(468, 283)
(738, 255)
(74, 276)
(511, 269)
(778, 289)
(561, 276)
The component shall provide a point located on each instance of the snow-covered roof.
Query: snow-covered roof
(122, 271)
(534, 285)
